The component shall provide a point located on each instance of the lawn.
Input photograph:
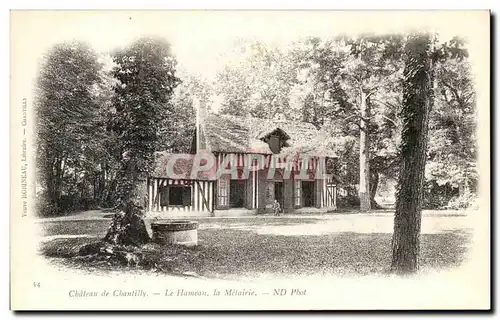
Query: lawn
(268, 246)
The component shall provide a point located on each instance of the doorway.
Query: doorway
(308, 193)
(278, 192)
(237, 193)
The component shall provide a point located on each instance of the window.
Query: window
(276, 140)
(274, 143)
(164, 196)
(269, 193)
(222, 191)
(298, 193)
(179, 196)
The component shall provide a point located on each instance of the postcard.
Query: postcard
(250, 160)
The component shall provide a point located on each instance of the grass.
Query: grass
(232, 248)
(99, 227)
(91, 227)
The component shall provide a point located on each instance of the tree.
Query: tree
(354, 85)
(104, 157)
(451, 173)
(385, 133)
(258, 82)
(417, 101)
(142, 100)
(318, 94)
(372, 66)
(317, 81)
(66, 110)
(177, 131)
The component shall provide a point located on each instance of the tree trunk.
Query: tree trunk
(417, 101)
(54, 180)
(110, 196)
(364, 156)
(374, 180)
(127, 226)
(49, 181)
(57, 181)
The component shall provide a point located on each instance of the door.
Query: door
(237, 193)
(308, 193)
(278, 192)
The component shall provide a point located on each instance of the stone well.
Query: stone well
(182, 232)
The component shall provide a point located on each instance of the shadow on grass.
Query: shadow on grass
(99, 227)
(236, 253)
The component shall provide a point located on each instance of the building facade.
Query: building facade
(240, 166)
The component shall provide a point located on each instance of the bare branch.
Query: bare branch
(351, 116)
(387, 104)
(393, 122)
(453, 90)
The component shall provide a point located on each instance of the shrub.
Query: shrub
(436, 196)
(45, 208)
(464, 201)
(348, 201)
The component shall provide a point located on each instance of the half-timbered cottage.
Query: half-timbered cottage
(255, 161)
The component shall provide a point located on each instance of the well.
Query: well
(182, 232)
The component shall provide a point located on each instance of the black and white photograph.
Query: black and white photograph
(250, 160)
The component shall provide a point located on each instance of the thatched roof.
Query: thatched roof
(182, 168)
(230, 134)
(224, 133)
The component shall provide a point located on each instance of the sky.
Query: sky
(203, 40)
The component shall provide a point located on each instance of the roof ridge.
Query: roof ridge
(225, 115)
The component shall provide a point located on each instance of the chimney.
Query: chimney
(201, 113)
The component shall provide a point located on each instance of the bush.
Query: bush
(45, 208)
(436, 196)
(348, 201)
(66, 204)
(464, 201)
(88, 204)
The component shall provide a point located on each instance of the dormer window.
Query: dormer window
(275, 143)
(276, 140)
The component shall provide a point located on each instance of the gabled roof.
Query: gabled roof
(231, 134)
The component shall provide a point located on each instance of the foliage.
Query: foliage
(437, 196)
(177, 132)
(66, 112)
(371, 76)
(337, 71)
(46, 208)
(463, 201)
(89, 117)
(452, 144)
(142, 104)
(373, 65)
(318, 96)
(320, 83)
(258, 83)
